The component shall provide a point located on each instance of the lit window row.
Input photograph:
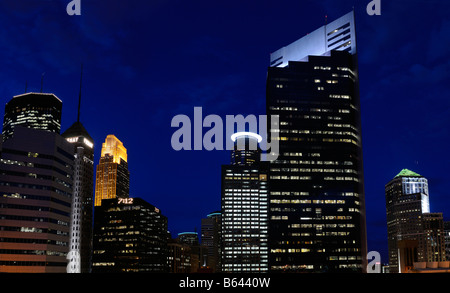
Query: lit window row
(345, 163)
(313, 170)
(291, 177)
(307, 201)
(316, 132)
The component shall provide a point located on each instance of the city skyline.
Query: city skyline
(391, 66)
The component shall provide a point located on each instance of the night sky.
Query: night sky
(147, 61)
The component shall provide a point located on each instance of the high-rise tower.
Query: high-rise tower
(130, 235)
(36, 179)
(244, 227)
(409, 221)
(112, 175)
(32, 110)
(317, 210)
(211, 239)
(80, 252)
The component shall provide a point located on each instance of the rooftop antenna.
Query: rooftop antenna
(326, 19)
(42, 81)
(79, 95)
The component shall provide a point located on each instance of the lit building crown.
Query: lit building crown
(114, 147)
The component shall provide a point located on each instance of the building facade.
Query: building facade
(130, 235)
(244, 222)
(32, 110)
(432, 240)
(80, 252)
(409, 219)
(317, 207)
(317, 204)
(211, 240)
(112, 176)
(36, 185)
(179, 257)
(338, 35)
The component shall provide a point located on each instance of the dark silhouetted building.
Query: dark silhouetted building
(432, 240)
(130, 235)
(36, 184)
(32, 110)
(198, 251)
(211, 240)
(317, 208)
(178, 257)
(190, 238)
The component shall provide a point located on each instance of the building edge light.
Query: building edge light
(250, 134)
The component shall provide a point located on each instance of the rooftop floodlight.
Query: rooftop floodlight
(249, 134)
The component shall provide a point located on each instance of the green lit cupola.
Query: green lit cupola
(407, 173)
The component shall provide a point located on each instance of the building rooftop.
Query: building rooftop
(407, 173)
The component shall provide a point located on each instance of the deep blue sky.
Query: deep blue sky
(146, 61)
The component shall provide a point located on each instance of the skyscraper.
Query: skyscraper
(244, 226)
(82, 200)
(112, 175)
(130, 235)
(32, 110)
(36, 178)
(80, 253)
(211, 239)
(409, 219)
(317, 209)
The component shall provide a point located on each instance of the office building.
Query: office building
(244, 220)
(317, 208)
(409, 218)
(112, 176)
(36, 185)
(82, 201)
(406, 200)
(447, 239)
(130, 235)
(211, 240)
(198, 252)
(190, 238)
(432, 240)
(32, 110)
(178, 257)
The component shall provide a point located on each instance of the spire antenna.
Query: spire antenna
(79, 95)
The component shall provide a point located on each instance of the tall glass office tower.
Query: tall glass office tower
(244, 228)
(317, 210)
